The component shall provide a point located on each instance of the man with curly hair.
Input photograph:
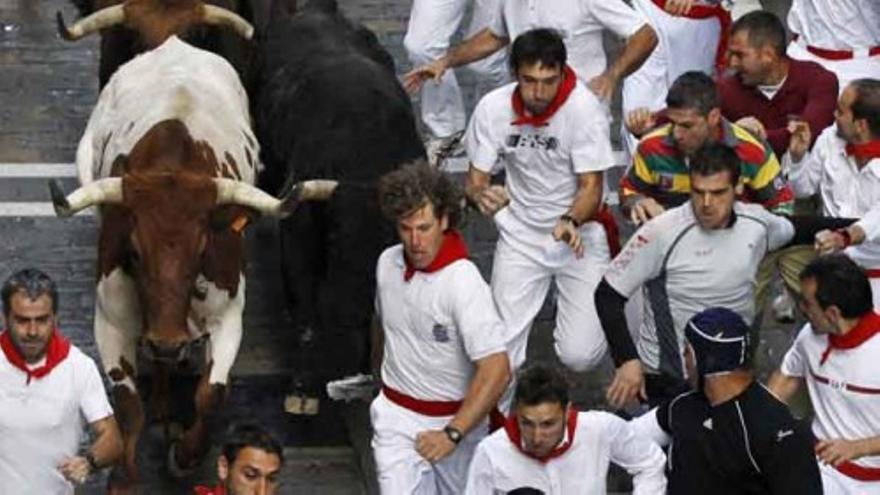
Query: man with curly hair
(439, 339)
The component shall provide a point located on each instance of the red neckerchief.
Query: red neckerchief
(724, 20)
(867, 327)
(452, 250)
(864, 151)
(569, 81)
(56, 351)
(513, 433)
(207, 490)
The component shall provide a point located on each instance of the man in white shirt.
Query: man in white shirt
(47, 388)
(844, 168)
(836, 354)
(549, 446)
(841, 35)
(549, 134)
(580, 23)
(443, 360)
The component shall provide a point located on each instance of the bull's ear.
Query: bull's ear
(234, 218)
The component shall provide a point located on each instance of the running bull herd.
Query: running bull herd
(209, 115)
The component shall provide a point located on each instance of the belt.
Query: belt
(706, 12)
(437, 408)
(857, 472)
(873, 273)
(839, 54)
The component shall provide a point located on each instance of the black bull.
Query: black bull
(328, 105)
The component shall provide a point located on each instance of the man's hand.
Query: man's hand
(644, 210)
(753, 125)
(492, 199)
(837, 451)
(829, 241)
(75, 469)
(679, 7)
(603, 86)
(434, 445)
(565, 231)
(628, 384)
(640, 121)
(413, 80)
(800, 139)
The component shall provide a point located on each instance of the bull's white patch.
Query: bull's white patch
(219, 314)
(117, 322)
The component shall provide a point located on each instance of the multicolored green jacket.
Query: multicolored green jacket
(660, 171)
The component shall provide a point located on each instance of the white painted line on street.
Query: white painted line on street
(33, 209)
(36, 170)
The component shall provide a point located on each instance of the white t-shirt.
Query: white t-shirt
(542, 163)
(686, 269)
(836, 24)
(846, 190)
(499, 467)
(41, 423)
(579, 22)
(844, 391)
(436, 326)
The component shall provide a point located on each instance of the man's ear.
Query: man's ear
(222, 468)
(833, 314)
(739, 188)
(714, 117)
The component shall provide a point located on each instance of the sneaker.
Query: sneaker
(439, 149)
(783, 307)
(357, 387)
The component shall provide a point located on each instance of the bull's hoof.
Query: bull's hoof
(301, 405)
(174, 467)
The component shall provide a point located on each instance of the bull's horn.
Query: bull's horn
(102, 19)
(102, 191)
(211, 14)
(234, 192)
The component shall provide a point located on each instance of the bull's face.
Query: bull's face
(169, 234)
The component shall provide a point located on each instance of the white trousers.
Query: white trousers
(875, 292)
(400, 469)
(835, 483)
(432, 23)
(526, 262)
(860, 67)
(683, 45)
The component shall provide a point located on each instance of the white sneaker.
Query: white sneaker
(783, 307)
(439, 149)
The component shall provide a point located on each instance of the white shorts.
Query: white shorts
(836, 483)
(400, 469)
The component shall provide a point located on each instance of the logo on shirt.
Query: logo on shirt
(441, 333)
(666, 181)
(782, 434)
(707, 424)
(534, 141)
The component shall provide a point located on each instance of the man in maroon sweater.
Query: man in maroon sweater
(767, 89)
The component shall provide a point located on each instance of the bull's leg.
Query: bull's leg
(223, 317)
(117, 326)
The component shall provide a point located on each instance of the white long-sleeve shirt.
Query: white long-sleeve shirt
(599, 438)
(846, 190)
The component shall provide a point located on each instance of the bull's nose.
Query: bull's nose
(163, 349)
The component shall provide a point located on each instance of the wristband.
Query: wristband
(847, 238)
(569, 218)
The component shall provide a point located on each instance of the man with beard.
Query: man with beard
(844, 168)
(249, 464)
(551, 448)
(47, 387)
(549, 134)
(836, 355)
(729, 436)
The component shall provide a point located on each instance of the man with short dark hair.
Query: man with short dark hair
(47, 387)
(439, 340)
(729, 436)
(836, 355)
(550, 136)
(573, 449)
(250, 463)
(702, 254)
(843, 167)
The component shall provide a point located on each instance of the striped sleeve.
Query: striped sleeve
(762, 176)
(638, 179)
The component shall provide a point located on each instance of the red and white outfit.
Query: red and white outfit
(841, 35)
(437, 322)
(542, 156)
(42, 408)
(577, 466)
(847, 191)
(690, 42)
(844, 386)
